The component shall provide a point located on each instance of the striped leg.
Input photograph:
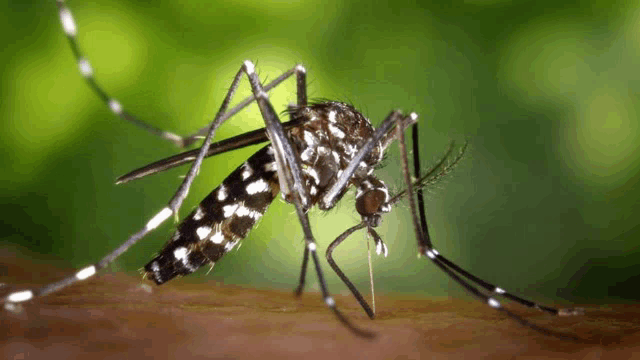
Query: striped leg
(86, 70)
(451, 269)
(172, 207)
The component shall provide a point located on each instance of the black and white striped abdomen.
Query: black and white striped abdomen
(221, 220)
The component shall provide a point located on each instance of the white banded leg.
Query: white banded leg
(426, 248)
(172, 208)
(290, 175)
(86, 70)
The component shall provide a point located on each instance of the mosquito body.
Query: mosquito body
(229, 212)
(312, 160)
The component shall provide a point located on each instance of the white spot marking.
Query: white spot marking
(85, 68)
(498, 290)
(332, 116)
(329, 301)
(362, 164)
(159, 218)
(336, 157)
(301, 69)
(245, 211)
(115, 106)
(312, 172)
(248, 171)
(248, 65)
(217, 238)
(351, 149)
(313, 190)
(311, 246)
(177, 139)
(229, 210)
(323, 150)
(203, 232)
(20, 296)
(199, 214)
(257, 186)
(230, 245)
(381, 248)
(180, 253)
(309, 139)
(306, 154)
(68, 24)
(155, 267)
(336, 132)
(435, 252)
(86, 272)
(493, 303)
(222, 193)
(430, 254)
(413, 116)
(270, 167)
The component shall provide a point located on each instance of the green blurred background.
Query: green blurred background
(546, 92)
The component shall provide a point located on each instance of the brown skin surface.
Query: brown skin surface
(112, 316)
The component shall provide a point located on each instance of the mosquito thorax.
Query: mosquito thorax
(331, 135)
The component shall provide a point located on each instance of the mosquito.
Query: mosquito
(324, 150)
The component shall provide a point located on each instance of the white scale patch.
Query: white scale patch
(270, 167)
(310, 139)
(248, 171)
(85, 68)
(229, 210)
(155, 266)
(493, 303)
(351, 149)
(257, 186)
(245, 211)
(336, 157)
(332, 116)
(203, 232)
(115, 106)
(381, 248)
(68, 24)
(306, 154)
(336, 132)
(180, 253)
(230, 245)
(323, 150)
(222, 193)
(199, 214)
(249, 66)
(20, 296)
(159, 218)
(86, 272)
(217, 238)
(311, 172)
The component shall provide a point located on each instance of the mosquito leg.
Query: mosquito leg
(69, 27)
(172, 208)
(426, 249)
(291, 178)
(301, 83)
(341, 274)
(303, 272)
(85, 69)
